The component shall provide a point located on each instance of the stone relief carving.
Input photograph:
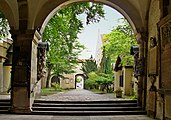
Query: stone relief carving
(165, 34)
(153, 56)
(153, 42)
(140, 67)
(42, 48)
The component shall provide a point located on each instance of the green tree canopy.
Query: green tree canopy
(4, 26)
(61, 34)
(89, 66)
(119, 42)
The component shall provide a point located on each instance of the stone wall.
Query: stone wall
(35, 85)
(154, 18)
(5, 70)
(127, 78)
(117, 79)
(159, 72)
(68, 82)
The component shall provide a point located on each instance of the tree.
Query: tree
(4, 26)
(119, 42)
(98, 80)
(61, 34)
(89, 66)
(105, 65)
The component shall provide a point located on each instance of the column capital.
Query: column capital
(22, 32)
(141, 37)
(2, 59)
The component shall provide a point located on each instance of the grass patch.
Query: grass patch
(134, 97)
(48, 91)
(99, 91)
(51, 90)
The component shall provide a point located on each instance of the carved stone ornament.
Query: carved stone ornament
(165, 31)
(139, 67)
(42, 48)
(153, 42)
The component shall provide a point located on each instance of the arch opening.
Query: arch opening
(79, 81)
(129, 12)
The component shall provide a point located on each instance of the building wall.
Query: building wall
(117, 79)
(5, 71)
(99, 55)
(68, 82)
(7, 78)
(127, 78)
(35, 86)
(154, 18)
(135, 86)
(158, 104)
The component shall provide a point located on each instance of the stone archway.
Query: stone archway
(128, 10)
(79, 81)
(28, 22)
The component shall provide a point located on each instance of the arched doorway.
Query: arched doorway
(79, 81)
(27, 23)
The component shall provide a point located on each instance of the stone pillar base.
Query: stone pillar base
(21, 110)
(20, 100)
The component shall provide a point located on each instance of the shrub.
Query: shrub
(56, 86)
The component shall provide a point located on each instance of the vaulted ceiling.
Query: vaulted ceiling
(36, 13)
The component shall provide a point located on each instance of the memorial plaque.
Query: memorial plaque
(153, 61)
(165, 38)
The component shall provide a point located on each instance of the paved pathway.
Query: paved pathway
(50, 117)
(75, 95)
(78, 95)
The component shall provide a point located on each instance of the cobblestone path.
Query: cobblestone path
(78, 95)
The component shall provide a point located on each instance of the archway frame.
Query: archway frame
(39, 12)
(82, 75)
(126, 9)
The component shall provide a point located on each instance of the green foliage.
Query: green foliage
(134, 97)
(4, 26)
(89, 66)
(56, 86)
(61, 34)
(104, 79)
(48, 91)
(90, 83)
(95, 80)
(119, 42)
(105, 65)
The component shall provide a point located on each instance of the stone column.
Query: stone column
(7, 78)
(141, 69)
(1, 75)
(21, 71)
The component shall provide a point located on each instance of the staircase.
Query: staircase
(117, 107)
(5, 106)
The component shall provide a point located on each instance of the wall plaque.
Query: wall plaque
(165, 41)
(165, 31)
(153, 61)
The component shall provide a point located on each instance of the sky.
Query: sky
(89, 36)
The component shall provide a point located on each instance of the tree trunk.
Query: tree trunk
(48, 77)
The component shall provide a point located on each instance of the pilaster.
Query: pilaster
(21, 71)
(7, 78)
(142, 42)
(1, 75)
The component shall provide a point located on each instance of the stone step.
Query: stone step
(82, 113)
(84, 104)
(112, 107)
(86, 108)
(5, 105)
(89, 102)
